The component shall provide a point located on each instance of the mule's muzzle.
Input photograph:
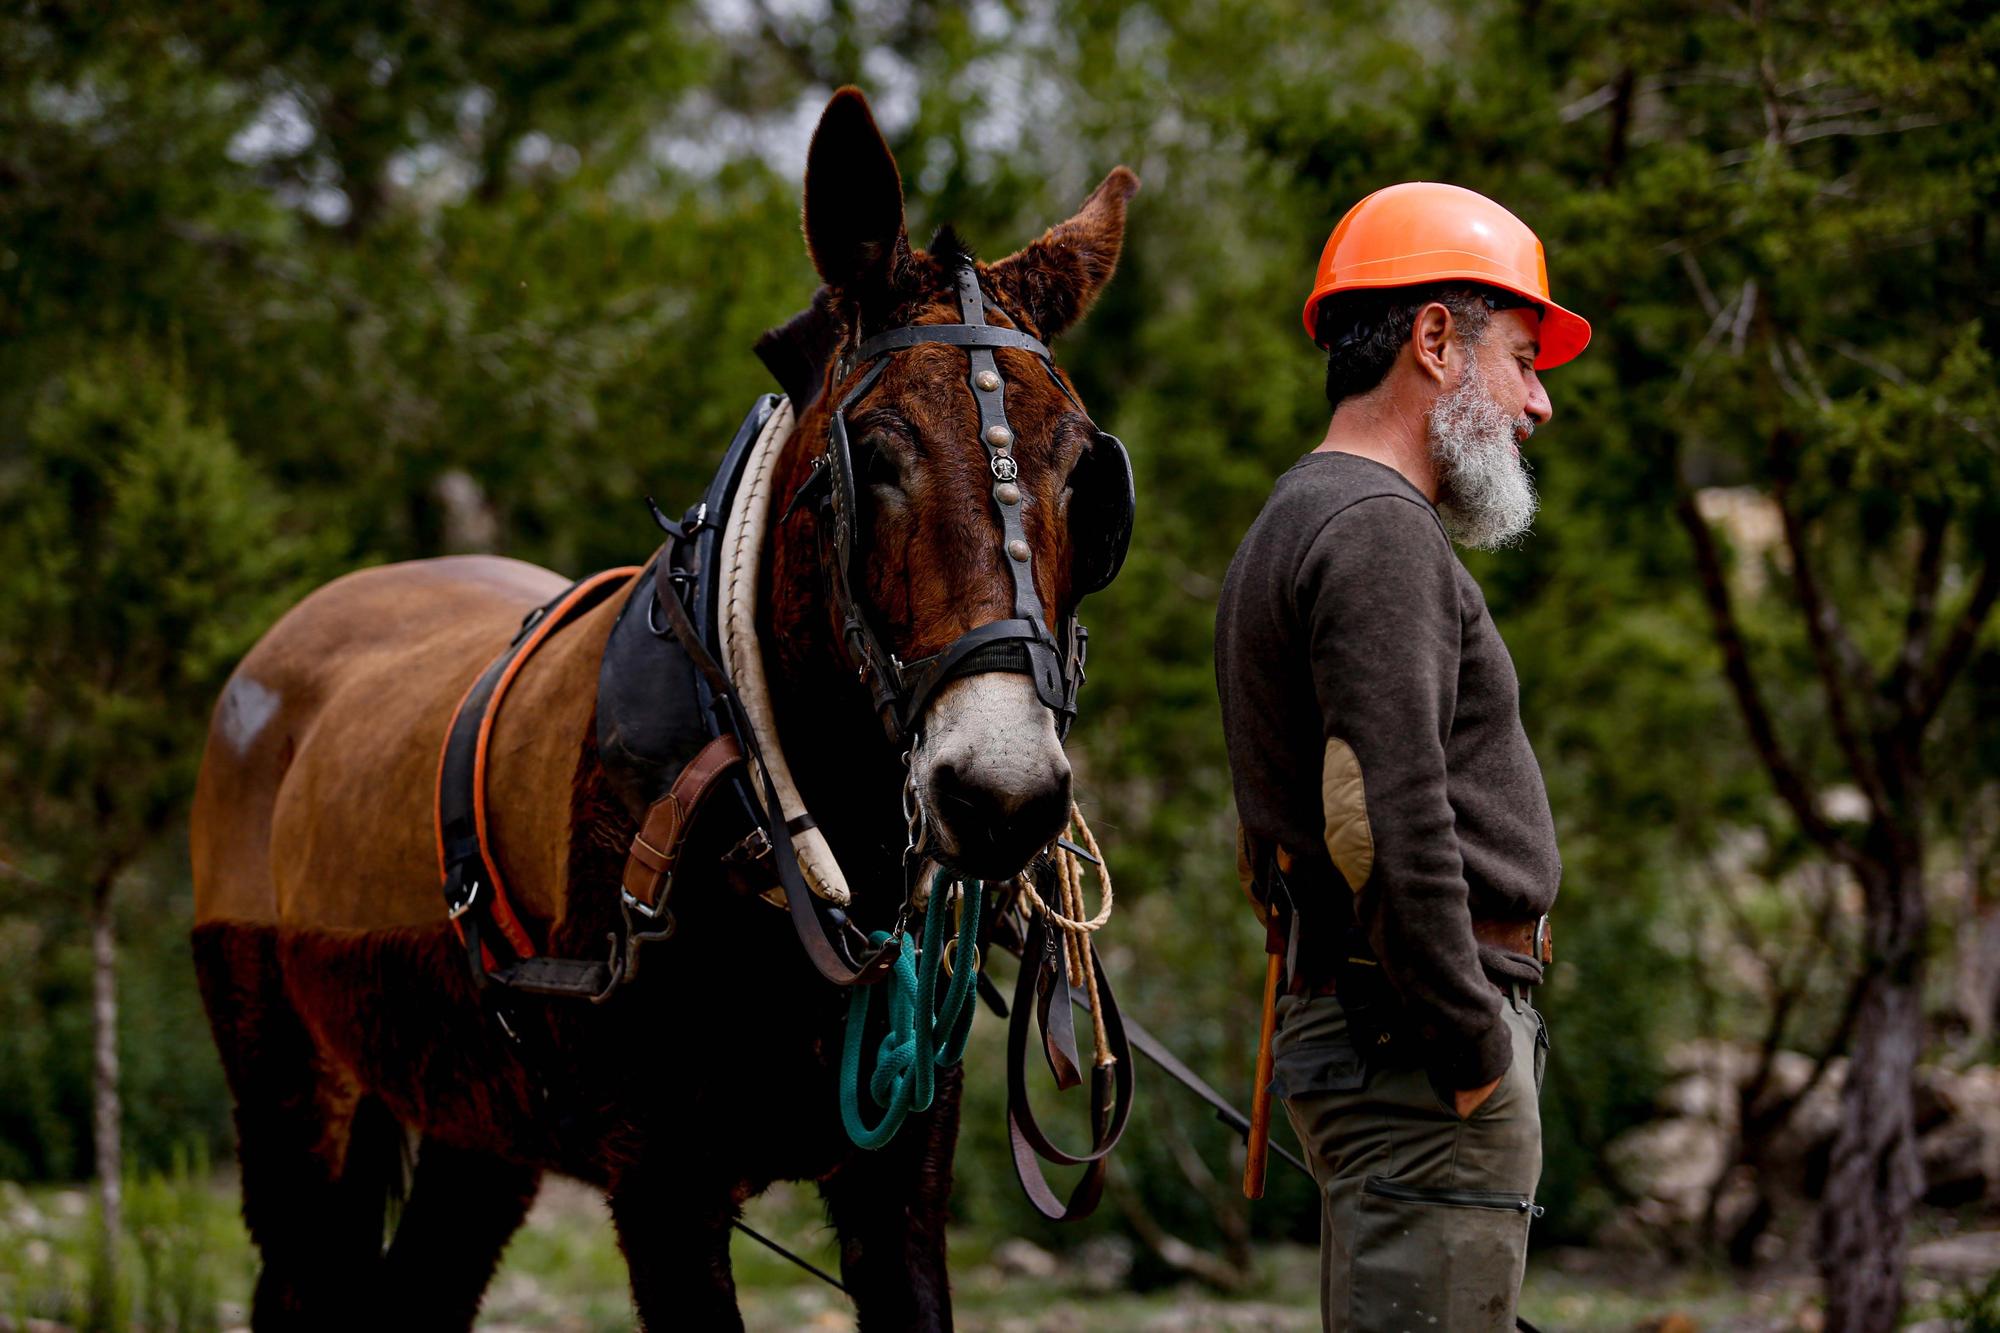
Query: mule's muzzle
(989, 831)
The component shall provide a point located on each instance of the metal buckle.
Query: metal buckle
(637, 908)
(753, 846)
(454, 911)
(1543, 953)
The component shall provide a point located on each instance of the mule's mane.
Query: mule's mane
(948, 248)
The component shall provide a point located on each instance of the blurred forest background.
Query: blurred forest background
(285, 290)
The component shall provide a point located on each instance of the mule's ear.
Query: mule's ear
(1057, 277)
(854, 199)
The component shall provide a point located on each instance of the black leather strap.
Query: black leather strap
(1110, 1085)
(683, 629)
(471, 883)
(972, 333)
(921, 679)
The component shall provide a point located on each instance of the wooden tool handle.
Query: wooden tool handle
(1258, 1141)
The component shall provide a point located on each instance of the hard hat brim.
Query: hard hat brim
(1564, 333)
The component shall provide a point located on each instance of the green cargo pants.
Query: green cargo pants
(1424, 1217)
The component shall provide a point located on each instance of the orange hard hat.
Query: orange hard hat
(1426, 231)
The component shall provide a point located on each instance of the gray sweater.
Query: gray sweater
(1373, 718)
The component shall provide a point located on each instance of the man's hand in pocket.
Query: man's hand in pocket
(1467, 1100)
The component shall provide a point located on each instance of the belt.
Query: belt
(1528, 938)
(1531, 939)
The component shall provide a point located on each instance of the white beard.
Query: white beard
(1485, 495)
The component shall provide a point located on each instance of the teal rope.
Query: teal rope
(906, 1064)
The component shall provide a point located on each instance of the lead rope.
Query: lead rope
(1079, 961)
(925, 1033)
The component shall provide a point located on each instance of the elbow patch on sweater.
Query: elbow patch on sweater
(1344, 801)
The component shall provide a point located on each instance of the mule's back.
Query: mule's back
(314, 804)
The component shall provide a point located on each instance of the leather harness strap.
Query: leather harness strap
(475, 897)
(499, 949)
(1041, 986)
(649, 866)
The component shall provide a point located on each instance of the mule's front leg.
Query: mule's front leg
(890, 1208)
(675, 1237)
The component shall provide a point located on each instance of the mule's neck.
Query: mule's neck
(847, 770)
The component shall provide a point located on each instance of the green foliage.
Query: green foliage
(1974, 1309)
(138, 556)
(174, 1224)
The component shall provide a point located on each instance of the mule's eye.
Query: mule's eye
(881, 465)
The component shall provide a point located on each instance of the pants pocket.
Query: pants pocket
(1437, 1259)
(1314, 1052)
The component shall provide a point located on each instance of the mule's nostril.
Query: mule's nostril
(997, 828)
(949, 790)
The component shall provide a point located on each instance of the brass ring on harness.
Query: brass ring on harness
(951, 949)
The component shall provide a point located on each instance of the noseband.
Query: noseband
(1022, 642)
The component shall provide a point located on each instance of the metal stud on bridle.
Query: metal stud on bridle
(1022, 642)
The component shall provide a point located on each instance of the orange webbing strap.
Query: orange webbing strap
(472, 880)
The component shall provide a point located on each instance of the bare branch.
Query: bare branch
(1842, 669)
(1902, 692)
(1958, 645)
(1742, 680)
(1588, 104)
(1971, 425)
(1827, 129)
(1692, 266)
(1746, 306)
(1836, 1045)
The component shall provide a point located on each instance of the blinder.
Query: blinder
(1102, 501)
(1101, 511)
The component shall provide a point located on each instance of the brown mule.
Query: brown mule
(340, 999)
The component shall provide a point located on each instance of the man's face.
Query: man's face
(1477, 429)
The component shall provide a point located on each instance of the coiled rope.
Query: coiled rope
(925, 1033)
(1079, 964)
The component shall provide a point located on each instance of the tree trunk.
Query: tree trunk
(1874, 1177)
(104, 1098)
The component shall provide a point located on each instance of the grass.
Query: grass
(188, 1267)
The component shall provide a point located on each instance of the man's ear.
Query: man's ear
(1432, 339)
(854, 199)
(1056, 278)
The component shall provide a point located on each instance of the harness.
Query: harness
(673, 733)
(1102, 487)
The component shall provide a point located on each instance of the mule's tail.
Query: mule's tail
(381, 1160)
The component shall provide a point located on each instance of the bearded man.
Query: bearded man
(1396, 833)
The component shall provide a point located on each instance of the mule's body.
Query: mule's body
(347, 1019)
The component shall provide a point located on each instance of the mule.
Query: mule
(349, 1027)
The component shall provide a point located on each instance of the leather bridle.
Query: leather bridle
(1021, 642)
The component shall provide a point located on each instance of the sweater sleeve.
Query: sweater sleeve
(1377, 597)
